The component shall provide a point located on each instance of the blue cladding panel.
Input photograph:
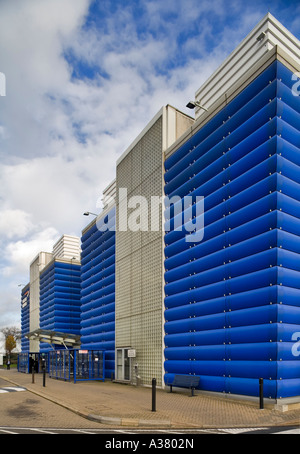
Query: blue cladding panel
(232, 301)
(25, 310)
(60, 299)
(98, 289)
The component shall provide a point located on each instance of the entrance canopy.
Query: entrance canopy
(53, 337)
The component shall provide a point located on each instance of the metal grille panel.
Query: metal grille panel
(139, 274)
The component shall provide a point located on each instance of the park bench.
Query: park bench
(185, 381)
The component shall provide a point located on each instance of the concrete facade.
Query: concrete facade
(139, 250)
(36, 266)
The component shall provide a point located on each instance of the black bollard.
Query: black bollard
(32, 374)
(153, 394)
(261, 393)
(44, 377)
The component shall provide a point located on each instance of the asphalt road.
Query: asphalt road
(25, 409)
(155, 435)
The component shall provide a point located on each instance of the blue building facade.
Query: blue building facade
(25, 310)
(60, 298)
(98, 288)
(232, 301)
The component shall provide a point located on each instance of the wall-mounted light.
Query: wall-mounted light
(87, 213)
(193, 104)
(261, 36)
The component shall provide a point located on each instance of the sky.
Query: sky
(83, 78)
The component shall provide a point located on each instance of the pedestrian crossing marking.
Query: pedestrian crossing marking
(11, 389)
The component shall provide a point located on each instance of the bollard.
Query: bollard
(153, 394)
(32, 374)
(261, 393)
(44, 371)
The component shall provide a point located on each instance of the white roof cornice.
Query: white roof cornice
(268, 34)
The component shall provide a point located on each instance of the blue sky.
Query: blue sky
(83, 78)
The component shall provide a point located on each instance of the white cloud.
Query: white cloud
(22, 252)
(31, 59)
(15, 224)
(14, 267)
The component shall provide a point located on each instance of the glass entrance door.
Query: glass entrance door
(123, 364)
(126, 365)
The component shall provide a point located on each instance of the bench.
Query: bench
(185, 381)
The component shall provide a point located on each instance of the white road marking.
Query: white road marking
(287, 432)
(167, 431)
(43, 431)
(14, 388)
(8, 432)
(241, 430)
(124, 431)
(83, 431)
(9, 389)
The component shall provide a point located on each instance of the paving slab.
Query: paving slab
(120, 405)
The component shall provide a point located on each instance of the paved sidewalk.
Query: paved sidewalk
(118, 405)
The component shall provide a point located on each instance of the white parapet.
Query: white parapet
(67, 247)
(267, 34)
